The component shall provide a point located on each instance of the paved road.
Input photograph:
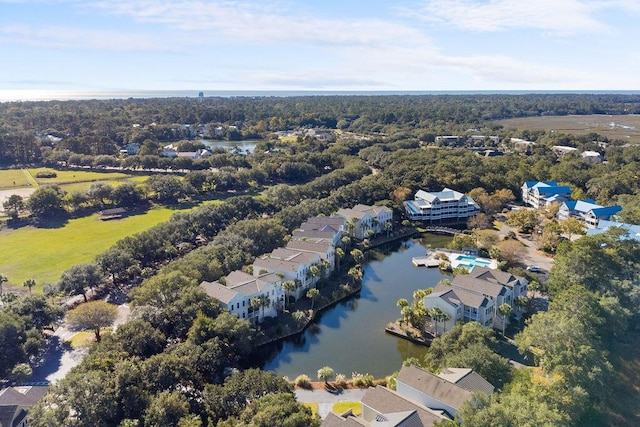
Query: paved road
(326, 400)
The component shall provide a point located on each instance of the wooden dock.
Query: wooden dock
(425, 261)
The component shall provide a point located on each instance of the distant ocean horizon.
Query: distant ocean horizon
(11, 95)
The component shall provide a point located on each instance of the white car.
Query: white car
(534, 269)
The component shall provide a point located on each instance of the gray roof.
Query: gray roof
(434, 386)
(218, 291)
(15, 400)
(276, 265)
(467, 379)
(238, 282)
(496, 276)
(313, 234)
(316, 247)
(470, 299)
(287, 254)
(333, 420)
(386, 402)
(313, 223)
(472, 284)
(358, 211)
(446, 295)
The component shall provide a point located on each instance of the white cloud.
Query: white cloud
(69, 38)
(559, 16)
(252, 22)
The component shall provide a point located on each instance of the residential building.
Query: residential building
(587, 211)
(561, 150)
(629, 231)
(448, 140)
(240, 288)
(461, 305)
(326, 251)
(445, 205)
(15, 403)
(517, 284)
(296, 270)
(322, 228)
(540, 193)
(476, 296)
(436, 392)
(362, 219)
(382, 404)
(592, 157)
(132, 149)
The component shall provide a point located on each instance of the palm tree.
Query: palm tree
(339, 256)
(325, 374)
(504, 310)
(357, 255)
(312, 294)
(3, 279)
(444, 317)
(388, 226)
(407, 313)
(436, 313)
(255, 304)
(355, 273)
(288, 286)
(346, 241)
(29, 283)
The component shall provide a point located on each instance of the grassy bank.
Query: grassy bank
(44, 253)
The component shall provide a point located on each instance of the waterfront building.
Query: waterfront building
(445, 205)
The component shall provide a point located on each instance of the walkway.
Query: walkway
(326, 400)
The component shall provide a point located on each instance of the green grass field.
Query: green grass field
(83, 186)
(13, 178)
(342, 407)
(44, 253)
(73, 176)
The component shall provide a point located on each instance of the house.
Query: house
(131, 149)
(296, 270)
(445, 205)
(363, 219)
(322, 228)
(540, 193)
(384, 407)
(628, 231)
(467, 379)
(592, 157)
(448, 140)
(461, 305)
(240, 288)
(450, 303)
(522, 145)
(326, 250)
(587, 211)
(517, 284)
(436, 392)
(169, 151)
(15, 403)
(561, 150)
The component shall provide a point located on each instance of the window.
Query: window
(243, 302)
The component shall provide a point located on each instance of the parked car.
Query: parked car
(534, 269)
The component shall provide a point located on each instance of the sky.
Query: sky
(332, 45)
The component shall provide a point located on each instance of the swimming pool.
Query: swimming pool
(471, 261)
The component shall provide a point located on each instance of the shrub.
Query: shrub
(303, 381)
(46, 174)
(362, 380)
(341, 380)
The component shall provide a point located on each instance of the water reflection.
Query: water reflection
(350, 336)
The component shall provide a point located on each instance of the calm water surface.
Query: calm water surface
(243, 147)
(350, 337)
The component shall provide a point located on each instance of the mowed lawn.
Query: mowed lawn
(73, 176)
(13, 178)
(44, 253)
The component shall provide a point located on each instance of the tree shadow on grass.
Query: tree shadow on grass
(57, 221)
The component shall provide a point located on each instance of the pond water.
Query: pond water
(244, 147)
(350, 336)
